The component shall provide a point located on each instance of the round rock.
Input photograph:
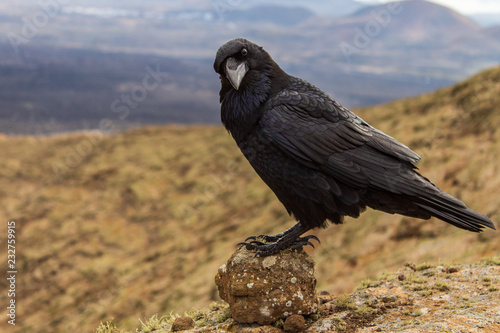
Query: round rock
(183, 324)
(294, 324)
(264, 290)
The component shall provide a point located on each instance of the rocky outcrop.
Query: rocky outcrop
(264, 290)
(418, 298)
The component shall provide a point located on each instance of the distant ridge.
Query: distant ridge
(57, 84)
(280, 15)
(417, 20)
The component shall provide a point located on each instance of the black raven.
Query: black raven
(321, 160)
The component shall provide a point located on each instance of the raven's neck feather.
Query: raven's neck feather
(241, 109)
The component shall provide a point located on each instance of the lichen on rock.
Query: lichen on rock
(267, 289)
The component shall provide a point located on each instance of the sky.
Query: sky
(463, 6)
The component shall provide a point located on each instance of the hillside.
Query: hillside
(137, 223)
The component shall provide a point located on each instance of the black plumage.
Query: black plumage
(321, 160)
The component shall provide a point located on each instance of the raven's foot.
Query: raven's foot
(267, 245)
(266, 238)
(265, 248)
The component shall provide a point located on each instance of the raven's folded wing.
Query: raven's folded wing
(319, 133)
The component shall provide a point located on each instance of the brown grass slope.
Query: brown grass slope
(139, 222)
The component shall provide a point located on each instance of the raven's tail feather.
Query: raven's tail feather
(451, 210)
(436, 203)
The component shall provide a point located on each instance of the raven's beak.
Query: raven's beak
(235, 72)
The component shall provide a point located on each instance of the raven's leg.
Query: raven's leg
(273, 244)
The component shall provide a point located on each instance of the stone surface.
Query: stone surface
(436, 299)
(264, 290)
(182, 324)
(294, 324)
(415, 299)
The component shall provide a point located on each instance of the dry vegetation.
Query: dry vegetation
(140, 225)
(418, 298)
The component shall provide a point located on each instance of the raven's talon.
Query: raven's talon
(309, 237)
(304, 241)
(301, 244)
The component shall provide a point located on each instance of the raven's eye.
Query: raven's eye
(244, 51)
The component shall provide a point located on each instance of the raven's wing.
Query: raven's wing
(316, 131)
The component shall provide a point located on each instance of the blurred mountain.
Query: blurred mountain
(416, 23)
(70, 72)
(278, 15)
(320, 7)
(493, 32)
(416, 30)
(59, 89)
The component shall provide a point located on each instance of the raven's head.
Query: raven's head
(239, 60)
(248, 77)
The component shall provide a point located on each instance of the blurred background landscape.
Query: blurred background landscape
(66, 65)
(128, 194)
